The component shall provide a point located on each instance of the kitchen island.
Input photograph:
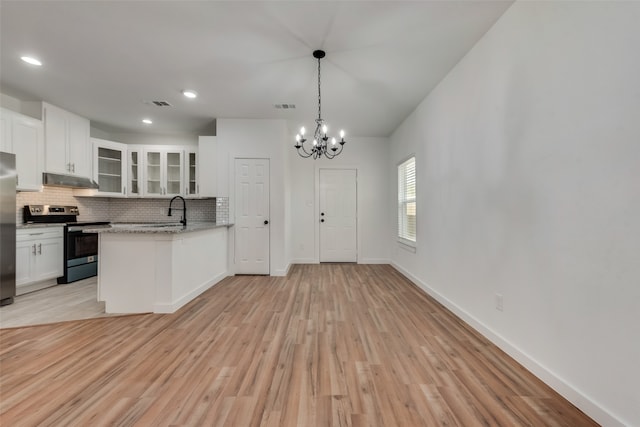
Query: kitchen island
(158, 268)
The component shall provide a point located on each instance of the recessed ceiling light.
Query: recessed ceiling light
(147, 121)
(190, 93)
(31, 60)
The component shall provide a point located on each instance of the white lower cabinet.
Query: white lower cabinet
(39, 254)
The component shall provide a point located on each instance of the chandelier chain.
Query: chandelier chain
(319, 97)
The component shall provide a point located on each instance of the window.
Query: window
(407, 201)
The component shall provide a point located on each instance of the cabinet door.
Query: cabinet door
(79, 145)
(110, 167)
(49, 258)
(134, 173)
(55, 140)
(173, 173)
(153, 176)
(29, 150)
(191, 173)
(25, 259)
(6, 143)
(208, 167)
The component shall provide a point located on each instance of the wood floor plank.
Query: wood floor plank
(328, 345)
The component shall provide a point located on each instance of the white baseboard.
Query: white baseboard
(281, 272)
(176, 305)
(374, 261)
(573, 395)
(304, 261)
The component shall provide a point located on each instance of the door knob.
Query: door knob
(266, 222)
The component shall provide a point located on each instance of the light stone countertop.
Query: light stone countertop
(32, 226)
(154, 227)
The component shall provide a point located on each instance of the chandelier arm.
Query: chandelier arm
(306, 153)
(331, 154)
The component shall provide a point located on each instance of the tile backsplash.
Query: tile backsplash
(124, 210)
(222, 209)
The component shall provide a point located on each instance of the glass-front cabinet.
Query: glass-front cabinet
(163, 173)
(134, 173)
(191, 172)
(174, 173)
(110, 167)
(123, 170)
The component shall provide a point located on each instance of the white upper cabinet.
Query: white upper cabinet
(163, 172)
(23, 136)
(191, 172)
(134, 172)
(110, 167)
(6, 143)
(67, 143)
(207, 181)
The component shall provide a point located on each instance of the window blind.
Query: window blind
(407, 200)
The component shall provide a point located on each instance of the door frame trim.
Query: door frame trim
(316, 214)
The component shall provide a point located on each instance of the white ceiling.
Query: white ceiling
(104, 59)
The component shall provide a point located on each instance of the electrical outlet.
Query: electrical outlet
(499, 302)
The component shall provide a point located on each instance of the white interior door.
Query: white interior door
(338, 215)
(252, 216)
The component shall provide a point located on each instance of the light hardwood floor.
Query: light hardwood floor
(343, 345)
(73, 301)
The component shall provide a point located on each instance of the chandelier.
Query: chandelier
(320, 145)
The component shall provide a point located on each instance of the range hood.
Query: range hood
(69, 181)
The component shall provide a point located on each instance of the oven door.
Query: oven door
(80, 245)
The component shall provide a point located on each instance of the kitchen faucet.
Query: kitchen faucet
(183, 221)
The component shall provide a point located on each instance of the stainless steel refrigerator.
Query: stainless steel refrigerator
(8, 177)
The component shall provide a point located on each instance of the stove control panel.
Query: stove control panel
(44, 210)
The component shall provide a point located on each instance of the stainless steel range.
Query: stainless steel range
(80, 249)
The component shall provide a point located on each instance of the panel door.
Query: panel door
(252, 216)
(338, 215)
(29, 149)
(79, 146)
(6, 144)
(55, 140)
(25, 260)
(49, 258)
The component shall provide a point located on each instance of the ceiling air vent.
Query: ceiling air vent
(285, 106)
(161, 103)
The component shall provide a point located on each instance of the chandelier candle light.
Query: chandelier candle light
(319, 147)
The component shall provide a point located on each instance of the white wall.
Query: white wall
(370, 157)
(10, 103)
(528, 163)
(247, 138)
(152, 139)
